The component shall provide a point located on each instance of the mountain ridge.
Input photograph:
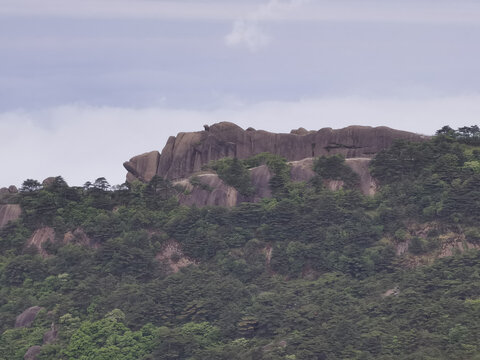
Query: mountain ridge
(187, 152)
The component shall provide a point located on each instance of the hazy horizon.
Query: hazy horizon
(89, 84)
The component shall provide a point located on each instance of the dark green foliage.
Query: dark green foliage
(466, 134)
(334, 168)
(306, 274)
(428, 180)
(234, 173)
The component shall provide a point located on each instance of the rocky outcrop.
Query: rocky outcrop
(9, 212)
(79, 237)
(172, 256)
(49, 181)
(142, 167)
(207, 189)
(368, 185)
(186, 153)
(48, 338)
(5, 192)
(302, 170)
(51, 335)
(261, 176)
(27, 318)
(40, 237)
(32, 352)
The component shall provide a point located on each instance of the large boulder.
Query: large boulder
(5, 192)
(32, 352)
(142, 167)
(302, 170)
(51, 335)
(207, 190)
(186, 153)
(27, 318)
(9, 212)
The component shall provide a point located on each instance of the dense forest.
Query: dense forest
(306, 274)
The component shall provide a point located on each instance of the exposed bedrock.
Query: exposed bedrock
(27, 318)
(209, 189)
(142, 167)
(9, 212)
(32, 352)
(186, 153)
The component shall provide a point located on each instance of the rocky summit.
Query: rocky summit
(186, 153)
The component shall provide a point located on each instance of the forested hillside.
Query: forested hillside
(127, 273)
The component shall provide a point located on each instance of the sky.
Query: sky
(87, 84)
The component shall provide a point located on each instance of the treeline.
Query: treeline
(306, 274)
(466, 134)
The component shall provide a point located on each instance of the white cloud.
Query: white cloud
(82, 143)
(247, 31)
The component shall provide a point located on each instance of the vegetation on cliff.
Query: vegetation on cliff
(306, 274)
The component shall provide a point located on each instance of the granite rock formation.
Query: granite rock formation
(186, 153)
(27, 318)
(142, 167)
(40, 237)
(208, 189)
(12, 189)
(32, 352)
(51, 335)
(9, 212)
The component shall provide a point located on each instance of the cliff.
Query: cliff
(9, 212)
(186, 153)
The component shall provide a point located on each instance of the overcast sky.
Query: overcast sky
(87, 84)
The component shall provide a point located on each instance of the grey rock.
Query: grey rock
(9, 212)
(27, 318)
(142, 167)
(32, 353)
(51, 335)
(186, 153)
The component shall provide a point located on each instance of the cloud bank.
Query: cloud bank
(83, 143)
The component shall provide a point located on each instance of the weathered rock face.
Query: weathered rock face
(40, 237)
(27, 318)
(9, 212)
(142, 167)
(211, 190)
(185, 154)
(368, 185)
(32, 352)
(302, 170)
(261, 176)
(51, 335)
